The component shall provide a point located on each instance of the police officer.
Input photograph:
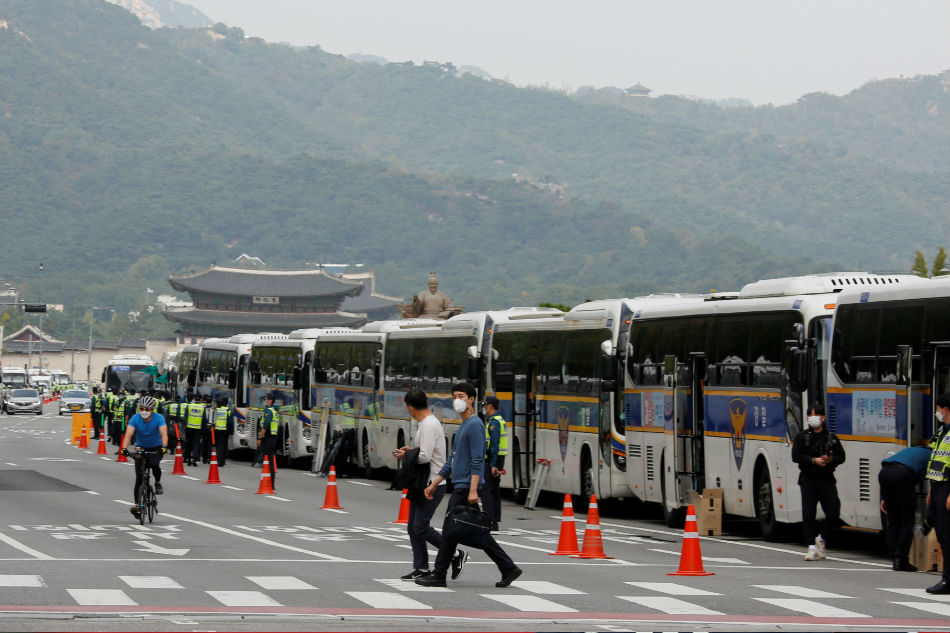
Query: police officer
(194, 418)
(222, 429)
(117, 424)
(938, 499)
(348, 425)
(496, 442)
(898, 479)
(95, 409)
(818, 451)
(206, 426)
(268, 430)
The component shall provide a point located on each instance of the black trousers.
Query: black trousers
(420, 528)
(343, 458)
(817, 490)
(938, 508)
(491, 548)
(206, 445)
(899, 492)
(268, 448)
(152, 461)
(490, 494)
(221, 446)
(193, 445)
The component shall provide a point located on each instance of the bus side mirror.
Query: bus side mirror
(798, 369)
(504, 377)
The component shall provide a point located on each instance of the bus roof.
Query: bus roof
(823, 283)
(128, 359)
(401, 324)
(318, 332)
(910, 287)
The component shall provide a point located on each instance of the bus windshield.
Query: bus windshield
(129, 377)
(215, 366)
(12, 381)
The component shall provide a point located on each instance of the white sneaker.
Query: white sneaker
(820, 546)
(812, 553)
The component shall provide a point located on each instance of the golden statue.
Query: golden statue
(431, 303)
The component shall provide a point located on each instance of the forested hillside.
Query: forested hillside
(128, 153)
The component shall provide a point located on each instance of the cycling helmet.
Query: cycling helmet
(147, 402)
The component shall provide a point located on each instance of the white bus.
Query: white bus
(132, 372)
(186, 374)
(14, 377)
(222, 371)
(890, 359)
(715, 394)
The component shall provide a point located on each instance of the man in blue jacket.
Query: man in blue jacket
(466, 465)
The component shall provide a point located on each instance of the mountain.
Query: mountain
(158, 13)
(128, 153)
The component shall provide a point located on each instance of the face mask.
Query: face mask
(145, 414)
(459, 405)
(814, 421)
(939, 416)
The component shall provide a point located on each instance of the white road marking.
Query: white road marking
(802, 592)
(279, 582)
(545, 587)
(276, 498)
(709, 559)
(405, 585)
(673, 606)
(812, 608)
(110, 597)
(914, 592)
(9, 580)
(386, 600)
(24, 548)
(186, 477)
(150, 582)
(153, 548)
(933, 608)
(232, 488)
(359, 483)
(529, 603)
(243, 599)
(91, 492)
(672, 588)
(335, 510)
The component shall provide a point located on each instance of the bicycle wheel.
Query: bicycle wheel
(143, 498)
(152, 504)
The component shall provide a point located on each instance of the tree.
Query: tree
(920, 265)
(940, 264)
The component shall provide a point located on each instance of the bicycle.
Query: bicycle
(148, 500)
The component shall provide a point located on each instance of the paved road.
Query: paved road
(220, 557)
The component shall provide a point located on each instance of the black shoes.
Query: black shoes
(458, 562)
(902, 564)
(158, 489)
(137, 513)
(509, 577)
(941, 587)
(431, 579)
(415, 573)
(494, 526)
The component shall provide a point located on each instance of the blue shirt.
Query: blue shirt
(147, 434)
(914, 457)
(468, 458)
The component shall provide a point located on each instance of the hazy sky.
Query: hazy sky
(767, 51)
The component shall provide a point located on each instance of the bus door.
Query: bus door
(683, 431)
(940, 380)
(525, 410)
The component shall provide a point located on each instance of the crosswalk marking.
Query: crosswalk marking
(111, 597)
(279, 582)
(916, 592)
(8, 580)
(404, 585)
(150, 582)
(672, 588)
(933, 608)
(529, 603)
(545, 587)
(386, 600)
(812, 608)
(710, 559)
(673, 606)
(802, 592)
(243, 599)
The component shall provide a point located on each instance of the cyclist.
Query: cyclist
(150, 434)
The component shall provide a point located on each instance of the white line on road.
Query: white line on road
(24, 548)
(359, 483)
(916, 592)
(673, 606)
(243, 599)
(802, 592)
(545, 587)
(707, 559)
(278, 498)
(386, 600)
(672, 588)
(933, 608)
(190, 477)
(111, 597)
(403, 585)
(279, 582)
(529, 603)
(7, 580)
(259, 539)
(335, 510)
(150, 582)
(232, 488)
(812, 608)
(91, 492)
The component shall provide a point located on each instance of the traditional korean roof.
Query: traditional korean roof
(265, 320)
(368, 300)
(265, 283)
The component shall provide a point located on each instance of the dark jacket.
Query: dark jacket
(809, 444)
(411, 476)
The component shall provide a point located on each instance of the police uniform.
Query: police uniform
(496, 443)
(222, 429)
(268, 430)
(194, 418)
(938, 473)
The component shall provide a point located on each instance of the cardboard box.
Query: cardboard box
(925, 552)
(708, 508)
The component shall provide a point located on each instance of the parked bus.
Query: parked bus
(222, 372)
(715, 394)
(14, 377)
(132, 372)
(890, 359)
(186, 374)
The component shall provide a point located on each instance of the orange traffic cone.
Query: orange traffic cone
(213, 469)
(83, 440)
(691, 558)
(102, 446)
(121, 457)
(179, 463)
(567, 543)
(403, 517)
(266, 487)
(593, 545)
(331, 501)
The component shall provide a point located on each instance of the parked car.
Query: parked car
(74, 401)
(24, 401)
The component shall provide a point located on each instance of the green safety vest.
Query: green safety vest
(173, 410)
(938, 469)
(502, 436)
(347, 417)
(116, 404)
(221, 419)
(196, 413)
(274, 421)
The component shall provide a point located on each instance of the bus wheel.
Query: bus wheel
(287, 455)
(673, 518)
(518, 489)
(364, 456)
(582, 502)
(764, 508)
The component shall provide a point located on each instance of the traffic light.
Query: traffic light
(34, 307)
